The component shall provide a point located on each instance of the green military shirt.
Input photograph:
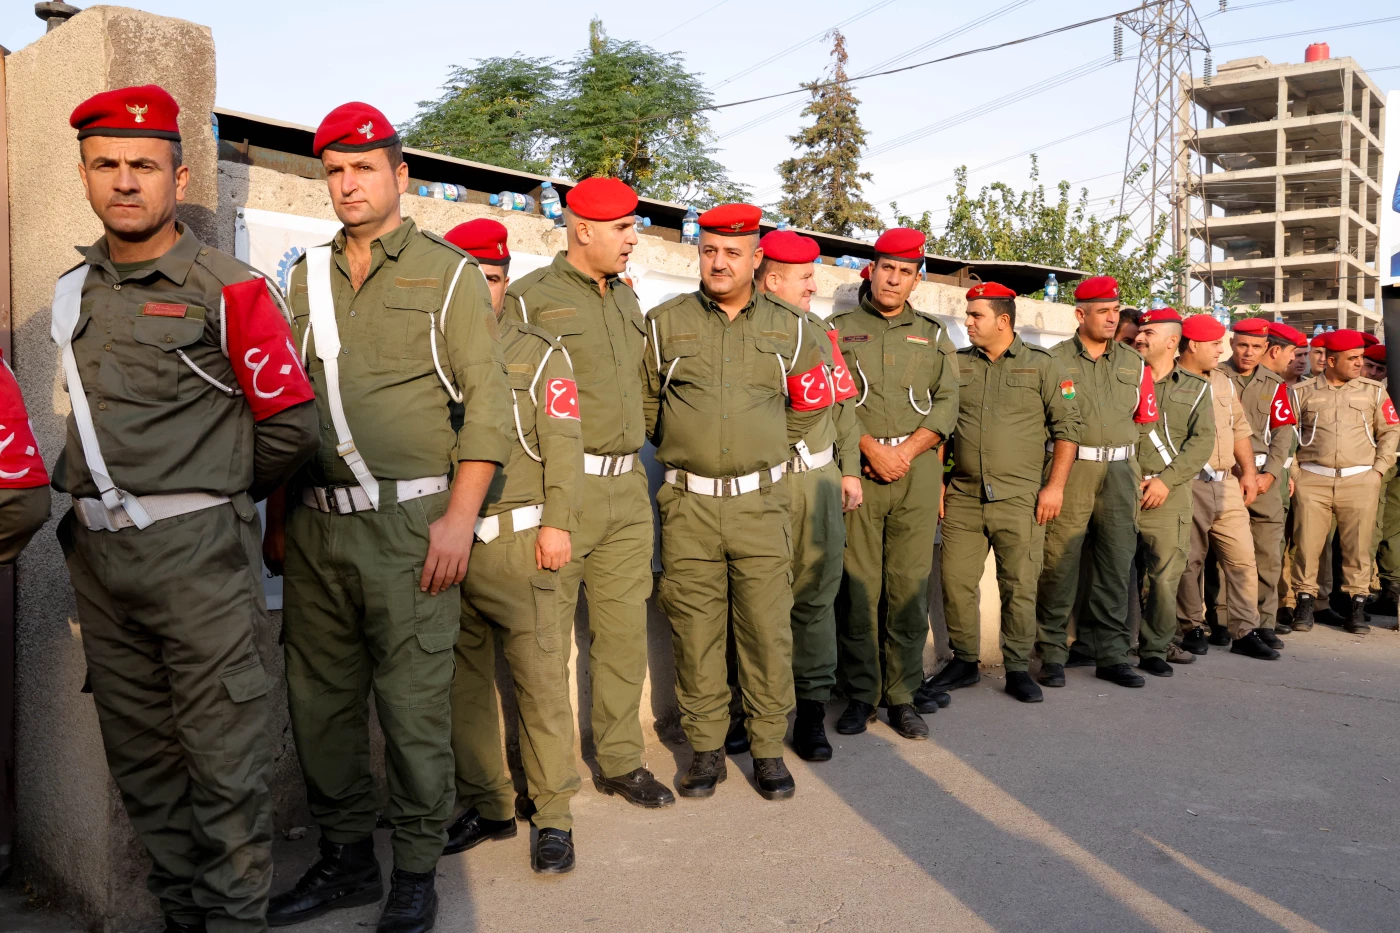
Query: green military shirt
(1008, 408)
(832, 424)
(1185, 429)
(604, 335)
(715, 403)
(903, 369)
(162, 428)
(395, 403)
(546, 461)
(1106, 390)
(1256, 392)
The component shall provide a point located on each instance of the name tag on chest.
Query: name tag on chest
(162, 309)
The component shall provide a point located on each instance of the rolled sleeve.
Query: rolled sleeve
(474, 350)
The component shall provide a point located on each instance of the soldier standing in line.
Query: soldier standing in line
(1109, 380)
(512, 587)
(1170, 455)
(1349, 431)
(1291, 364)
(1011, 404)
(188, 405)
(906, 375)
(723, 365)
(581, 299)
(1387, 535)
(397, 326)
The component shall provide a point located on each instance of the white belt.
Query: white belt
(805, 461)
(95, 516)
(892, 441)
(726, 486)
(1259, 460)
(1102, 454)
(595, 465)
(346, 500)
(1335, 474)
(488, 529)
(1207, 475)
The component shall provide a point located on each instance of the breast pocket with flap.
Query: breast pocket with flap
(154, 370)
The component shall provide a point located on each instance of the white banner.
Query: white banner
(1388, 256)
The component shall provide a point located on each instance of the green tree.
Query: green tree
(822, 184)
(633, 113)
(499, 112)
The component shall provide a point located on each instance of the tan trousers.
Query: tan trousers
(1324, 565)
(1219, 517)
(1353, 501)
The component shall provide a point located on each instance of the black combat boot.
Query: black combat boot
(346, 875)
(1268, 637)
(1283, 620)
(1052, 675)
(1303, 613)
(706, 770)
(773, 779)
(1120, 674)
(471, 829)
(1020, 686)
(638, 787)
(412, 904)
(736, 740)
(857, 716)
(1195, 641)
(906, 721)
(1219, 635)
(1157, 667)
(956, 673)
(809, 732)
(1356, 623)
(554, 852)
(1252, 646)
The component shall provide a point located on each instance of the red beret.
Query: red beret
(1097, 288)
(1252, 326)
(1202, 327)
(1159, 316)
(602, 199)
(148, 110)
(731, 219)
(353, 127)
(1291, 334)
(1339, 341)
(1369, 339)
(989, 290)
(901, 243)
(1318, 342)
(1375, 353)
(787, 246)
(483, 238)
(865, 271)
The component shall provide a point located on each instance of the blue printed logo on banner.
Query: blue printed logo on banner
(284, 267)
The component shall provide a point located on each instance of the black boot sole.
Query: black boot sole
(822, 753)
(967, 681)
(506, 833)
(784, 794)
(360, 898)
(1026, 697)
(644, 804)
(863, 726)
(1258, 657)
(695, 792)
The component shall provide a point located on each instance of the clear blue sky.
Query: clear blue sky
(295, 61)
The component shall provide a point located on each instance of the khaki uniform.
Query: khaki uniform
(1347, 444)
(1100, 509)
(1008, 410)
(907, 377)
(613, 545)
(717, 412)
(1173, 450)
(355, 618)
(505, 591)
(175, 628)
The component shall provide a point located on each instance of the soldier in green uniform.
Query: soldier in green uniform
(512, 587)
(1386, 580)
(581, 299)
(1107, 377)
(908, 403)
(1290, 364)
(723, 365)
(188, 404)
(1010, 407)
(397, 325)
(1171, 452)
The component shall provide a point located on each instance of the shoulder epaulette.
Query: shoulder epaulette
(541, 333)
(1370, 382)
(1032, 346)
(842, 311)
(452, 246)
(657, 311)
(1190, 375)
(526, 282)
(225, 268)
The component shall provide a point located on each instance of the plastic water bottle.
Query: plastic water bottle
(440, 191)
(1157, 303)
(1052, 288)
(1222, 314)
(1331, 329)
(549, 203)
(784, 225)
(1318, 331)
(690, 227)
(641, 223)
(511, 201)
(214, 124)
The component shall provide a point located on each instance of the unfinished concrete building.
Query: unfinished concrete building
(1283, 166)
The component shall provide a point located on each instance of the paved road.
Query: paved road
(1237, 796)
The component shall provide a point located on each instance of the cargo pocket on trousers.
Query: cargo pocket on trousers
(545, 589)
(246, 720)
(436, 619)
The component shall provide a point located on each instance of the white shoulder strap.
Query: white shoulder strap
(67, 308)
(441, 322)
(318, 293)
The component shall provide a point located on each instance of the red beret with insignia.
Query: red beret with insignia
(148, 110)
(1202, 327)
(1369, 339)
(1291, 334)
(1339, 341)
(353, 127)
(602, 199)
(1159, 316)
(1375, 353)
(731, 219)
(1252, 326)
(901, 243)
(1097, 288)
(787, 246)
(483, 238)
(989, 290)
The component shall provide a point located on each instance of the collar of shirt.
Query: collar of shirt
(392, 242)
(1107, 354)
(569, 271)
(1011, 351)
(905, 315)
(710, 304)
(174, 264)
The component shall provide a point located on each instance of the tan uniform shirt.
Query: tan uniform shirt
(1256, 392)
(1231, 425)
(1346, 425)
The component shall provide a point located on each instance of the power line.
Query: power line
(692, 19)
(1247, 6)
(805, 42)
(1308, 32)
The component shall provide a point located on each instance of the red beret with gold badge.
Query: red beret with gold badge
(1097, 288)
(353, 127)
(484, 238)
(1202, 327)
(989, 290)
(148, 110)
(1159, 316)
(901, 243)
(789, 247)
(731, 219)
(602, 199)
(1292, 334)
(1251, 327)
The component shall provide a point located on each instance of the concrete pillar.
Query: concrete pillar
(75, 846)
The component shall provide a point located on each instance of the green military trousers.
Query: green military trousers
(723, 558)
(1388, 532)
(1008, 527)
(22, 513)
(354, 618)
(505, 592)
(818, 540)
(1164, 545)
(612, 558)
(1100, 512)
(889, 551)
(175, 629)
